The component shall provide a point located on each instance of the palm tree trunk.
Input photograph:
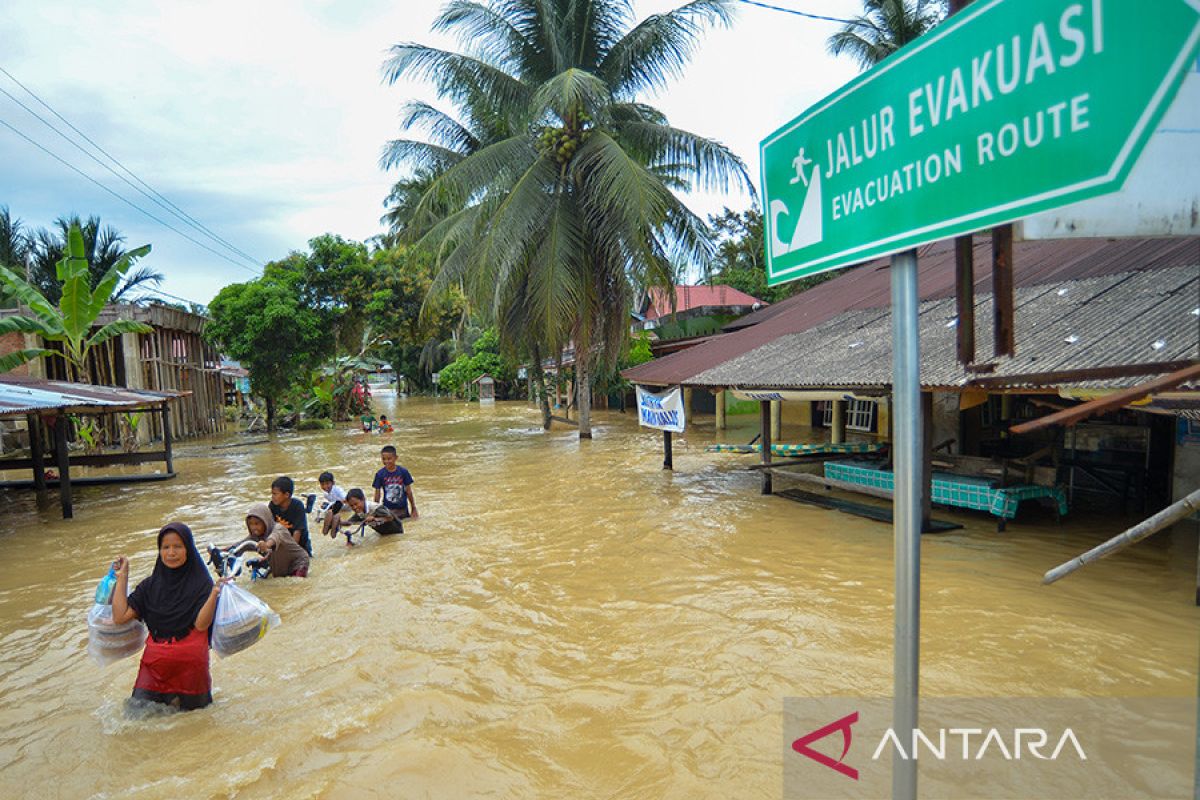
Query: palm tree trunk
(270, 414)
(583, 394)
(539, 382)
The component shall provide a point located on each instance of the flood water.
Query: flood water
(566, 619)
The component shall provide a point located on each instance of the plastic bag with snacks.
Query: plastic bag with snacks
(241, 620)
(108, 642)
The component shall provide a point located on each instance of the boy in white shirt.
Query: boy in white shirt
(332, 500)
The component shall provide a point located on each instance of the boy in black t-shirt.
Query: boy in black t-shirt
(289, 512)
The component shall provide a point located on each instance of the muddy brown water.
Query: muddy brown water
(565, 619)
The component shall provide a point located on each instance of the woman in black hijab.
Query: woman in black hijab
(177, 603)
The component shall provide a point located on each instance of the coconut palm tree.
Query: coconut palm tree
(574, 206)
(883, 28)
(14, 242)
(103, 249)
(70, 322)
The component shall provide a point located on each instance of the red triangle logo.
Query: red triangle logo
(801, 745)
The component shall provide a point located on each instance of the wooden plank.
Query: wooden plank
(166, 412)
(38, 460)
(814, 458)
(964, 297)
(1165, 518)
(877, 513)
(1070, 416)
(1004, 315)
(926, 477)
(846, 486)
(64, 465)
(97, 480)
(102, 460)
(764, 420)
(668, 456)
(1085, 374)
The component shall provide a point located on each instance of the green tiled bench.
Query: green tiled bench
(798, 449)
(959, 491)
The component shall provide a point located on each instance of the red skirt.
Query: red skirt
(176, 672)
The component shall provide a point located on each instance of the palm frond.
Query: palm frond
(711, 166)
(456, 76)
(442, 129)
(569, 92)
(657, 49)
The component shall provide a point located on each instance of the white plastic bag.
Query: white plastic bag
(108, 642)
(241, 620)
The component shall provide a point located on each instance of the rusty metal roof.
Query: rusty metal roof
(1125, 319)
(20, 395)
(868, 287)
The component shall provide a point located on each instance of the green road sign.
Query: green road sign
(1008, 108)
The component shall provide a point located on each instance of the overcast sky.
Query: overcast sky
(264, 120)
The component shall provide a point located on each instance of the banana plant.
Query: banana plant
(71, 321)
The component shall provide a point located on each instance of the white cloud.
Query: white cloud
(265, 119)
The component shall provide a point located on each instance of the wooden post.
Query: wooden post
(64, 465)
(776, 420)
(687, 405)
(668, 457)
(166, 415)
(721, 410)
(1002, 290)
(964, 297)
(765, 408)
(926, 479)
(36, 452)
(837, 432)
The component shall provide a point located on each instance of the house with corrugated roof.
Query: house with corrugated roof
(694, 310)
(1093, 317)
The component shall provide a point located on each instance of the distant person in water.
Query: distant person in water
(177, 603)
(393, 486)
(384, 425)
(290, 512)
(368, 422)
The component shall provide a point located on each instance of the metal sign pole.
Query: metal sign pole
(906, 448)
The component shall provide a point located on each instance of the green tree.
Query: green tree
(739, 259)
(883, 28)
(265, 326)
(413, 326)
(69, 323)
(14, 249)
(574, 207)
(14, 242)
(333, 280)
(484, 359)
(103, 248)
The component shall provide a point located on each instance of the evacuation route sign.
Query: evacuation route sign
(1008, 108)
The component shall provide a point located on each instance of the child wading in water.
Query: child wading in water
(177, 603)
(285, 558)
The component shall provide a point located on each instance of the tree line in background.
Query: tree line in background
(526, 224)
(317, 321)
(34, 255)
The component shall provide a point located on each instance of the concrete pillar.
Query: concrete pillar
(721, 410)
(776, 420)
(837, 433)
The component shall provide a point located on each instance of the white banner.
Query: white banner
(662, 411)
